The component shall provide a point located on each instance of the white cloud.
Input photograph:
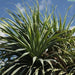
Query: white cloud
(42, 5)
(74, 34)
(20, 6)
(43, 2)
(72, 27)
(2, 34)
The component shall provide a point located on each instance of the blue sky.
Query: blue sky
(62, 6)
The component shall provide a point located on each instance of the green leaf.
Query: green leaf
(15, 71)
(34, 59)
(24, 54)
(9, 69)
(61, 73)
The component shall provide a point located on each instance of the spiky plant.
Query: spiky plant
(36, 47)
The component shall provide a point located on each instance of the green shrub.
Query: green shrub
(41, 47)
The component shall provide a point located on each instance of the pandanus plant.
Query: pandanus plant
(37, 47)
